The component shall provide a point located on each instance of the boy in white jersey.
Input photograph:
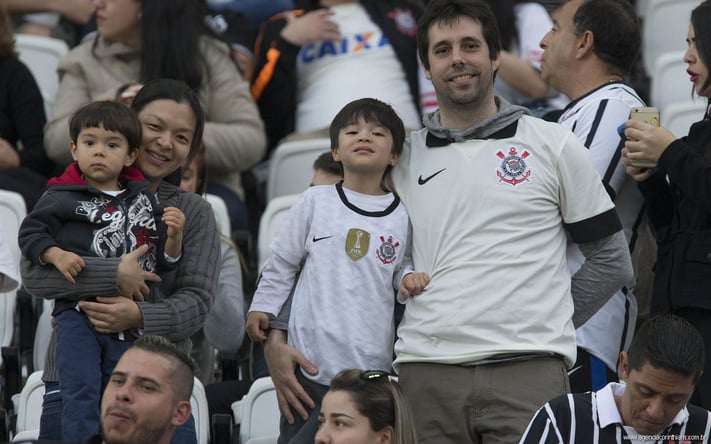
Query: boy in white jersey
(349, 241)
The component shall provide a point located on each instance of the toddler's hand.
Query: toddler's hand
(414, 284)
(257, 325)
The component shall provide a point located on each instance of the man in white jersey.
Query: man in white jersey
(587, 55)
(492, 193)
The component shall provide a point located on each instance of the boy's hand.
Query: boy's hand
(257, 325)
(68, 263)
(175, 220)
(413, 284)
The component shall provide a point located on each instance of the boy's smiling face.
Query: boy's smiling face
(365, 147)
(101, 155)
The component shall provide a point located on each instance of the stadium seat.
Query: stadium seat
(41, 55)
(291, 166)
(258, 413)
(664, 28)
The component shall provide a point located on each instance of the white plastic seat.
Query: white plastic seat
(12, 212)
(221, 215)
(291, 166)
(28, 404)
(670, 82)
(678, 117)
(664, 28)
(42, 55)
(257, 413)
(198, 402)
(270, 222)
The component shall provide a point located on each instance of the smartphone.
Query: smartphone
(646, 114)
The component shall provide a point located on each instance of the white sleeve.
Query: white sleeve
(288, 250)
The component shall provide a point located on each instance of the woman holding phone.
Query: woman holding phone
(677, 194)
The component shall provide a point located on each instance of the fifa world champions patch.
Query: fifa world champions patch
(513, 169)
(387, 251)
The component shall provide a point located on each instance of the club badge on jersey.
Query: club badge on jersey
(387, 251)
(513, 169)
(357, 243)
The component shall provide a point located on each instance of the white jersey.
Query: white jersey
(352, 247)
(492, 236)
(594, 119)
(363, 61)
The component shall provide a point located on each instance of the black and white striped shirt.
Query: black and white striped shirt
(593, 418)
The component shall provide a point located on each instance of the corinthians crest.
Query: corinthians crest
(387, 251)
(513, 169)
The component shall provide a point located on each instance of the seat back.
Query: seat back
(664, 28)
(270, 223)
(29, 406)
(12, 212)
(198, 402)
(678, 117)
(258, 412)
(42, 55)
(291, 166)
(670, 82)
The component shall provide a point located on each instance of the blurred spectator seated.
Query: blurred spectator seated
(24, 165)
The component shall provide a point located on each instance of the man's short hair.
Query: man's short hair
(184, 366)
(668, 342)
(616, 32)
(448, 11)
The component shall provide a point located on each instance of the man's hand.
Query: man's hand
(131, 278)
(68, 263)
(112, 314)
(413, 284)
(257, 325)
(282, 360)
(314, 26)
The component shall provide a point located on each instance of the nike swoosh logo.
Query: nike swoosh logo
(316, 239)
(574, 369)
(422, 181)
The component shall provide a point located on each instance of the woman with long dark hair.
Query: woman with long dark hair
(677, 195)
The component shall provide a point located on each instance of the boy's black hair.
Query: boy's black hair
(369, 110)
(112, 116)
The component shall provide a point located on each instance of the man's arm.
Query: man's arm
(607, 268)
(77, 11)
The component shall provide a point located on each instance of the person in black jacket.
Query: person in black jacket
(677, 195)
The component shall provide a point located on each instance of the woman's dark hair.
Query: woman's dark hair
(170, 40)
(169, 89)
(700, 19)
(380, 400)
(7, 38)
